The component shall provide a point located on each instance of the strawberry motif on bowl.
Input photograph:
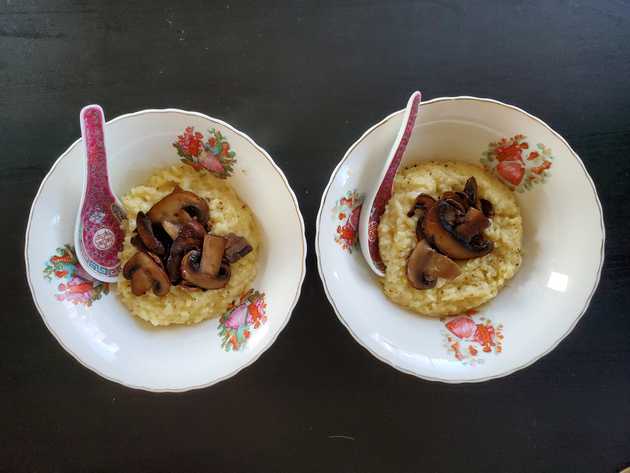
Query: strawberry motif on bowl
(520, 167)
(471, 341)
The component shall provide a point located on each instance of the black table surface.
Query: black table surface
(305, 79)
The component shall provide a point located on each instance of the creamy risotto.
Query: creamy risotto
(480, 278)
(227, 215)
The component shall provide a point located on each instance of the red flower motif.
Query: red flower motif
(191, 142)
(542, 168)
(533, 155)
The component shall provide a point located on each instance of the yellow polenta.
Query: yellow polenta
(481, 278)
(228, 214)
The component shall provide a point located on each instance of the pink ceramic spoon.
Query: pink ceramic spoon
(98, 237)
(377, 198)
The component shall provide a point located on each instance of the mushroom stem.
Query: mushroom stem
(213, 248)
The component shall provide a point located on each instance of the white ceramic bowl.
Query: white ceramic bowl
(563, 244)
(95, 327)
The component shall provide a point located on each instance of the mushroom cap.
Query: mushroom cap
(487, 208)
(438, 226)
(146, 273)
(236, 247)
(425, 266)
(179, 200)
(190, 237)
(474, 223)
(144, 227)
(423, 203)
(191, 272)
(472, 192)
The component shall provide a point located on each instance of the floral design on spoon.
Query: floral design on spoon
(98, 234)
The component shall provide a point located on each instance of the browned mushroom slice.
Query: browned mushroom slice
(459, 197)
(473, 224)
(206, 270)
(193, 229)
(146, 273)
(471, 191)
(487, 208)
(423, 203)
(144, 227)
(425, 266)
(461, 208)
(236, 247)
(438, 228)
(136, 241)
(179, 248)
(190, 238)
(169, 208)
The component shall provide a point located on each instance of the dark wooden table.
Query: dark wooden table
(305, 79)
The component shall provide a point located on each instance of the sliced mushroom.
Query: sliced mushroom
(473, 224)
(236, 247)
(144, 227)
(471, 191)
(179, 248)
(487, 208)
(461, 208)
(439, 228)
(190, 237)
(169, 208)
(136, 241)
(423, 203)
(425, 266)
(459, 197)
(205, 270)
(173, 224)
(212, 255)
(145, 272)
(193, 229)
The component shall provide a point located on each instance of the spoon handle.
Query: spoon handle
(101, 237)
(384, 192)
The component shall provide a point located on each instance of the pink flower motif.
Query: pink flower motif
(237, 318)
(211, 163)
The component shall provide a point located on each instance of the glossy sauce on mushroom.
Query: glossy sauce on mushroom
(450, 228)
(175, 247)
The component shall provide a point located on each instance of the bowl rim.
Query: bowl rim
(535, 358)
(293, 304)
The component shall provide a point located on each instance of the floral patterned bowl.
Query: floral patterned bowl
(91, 323)
(563, 244)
